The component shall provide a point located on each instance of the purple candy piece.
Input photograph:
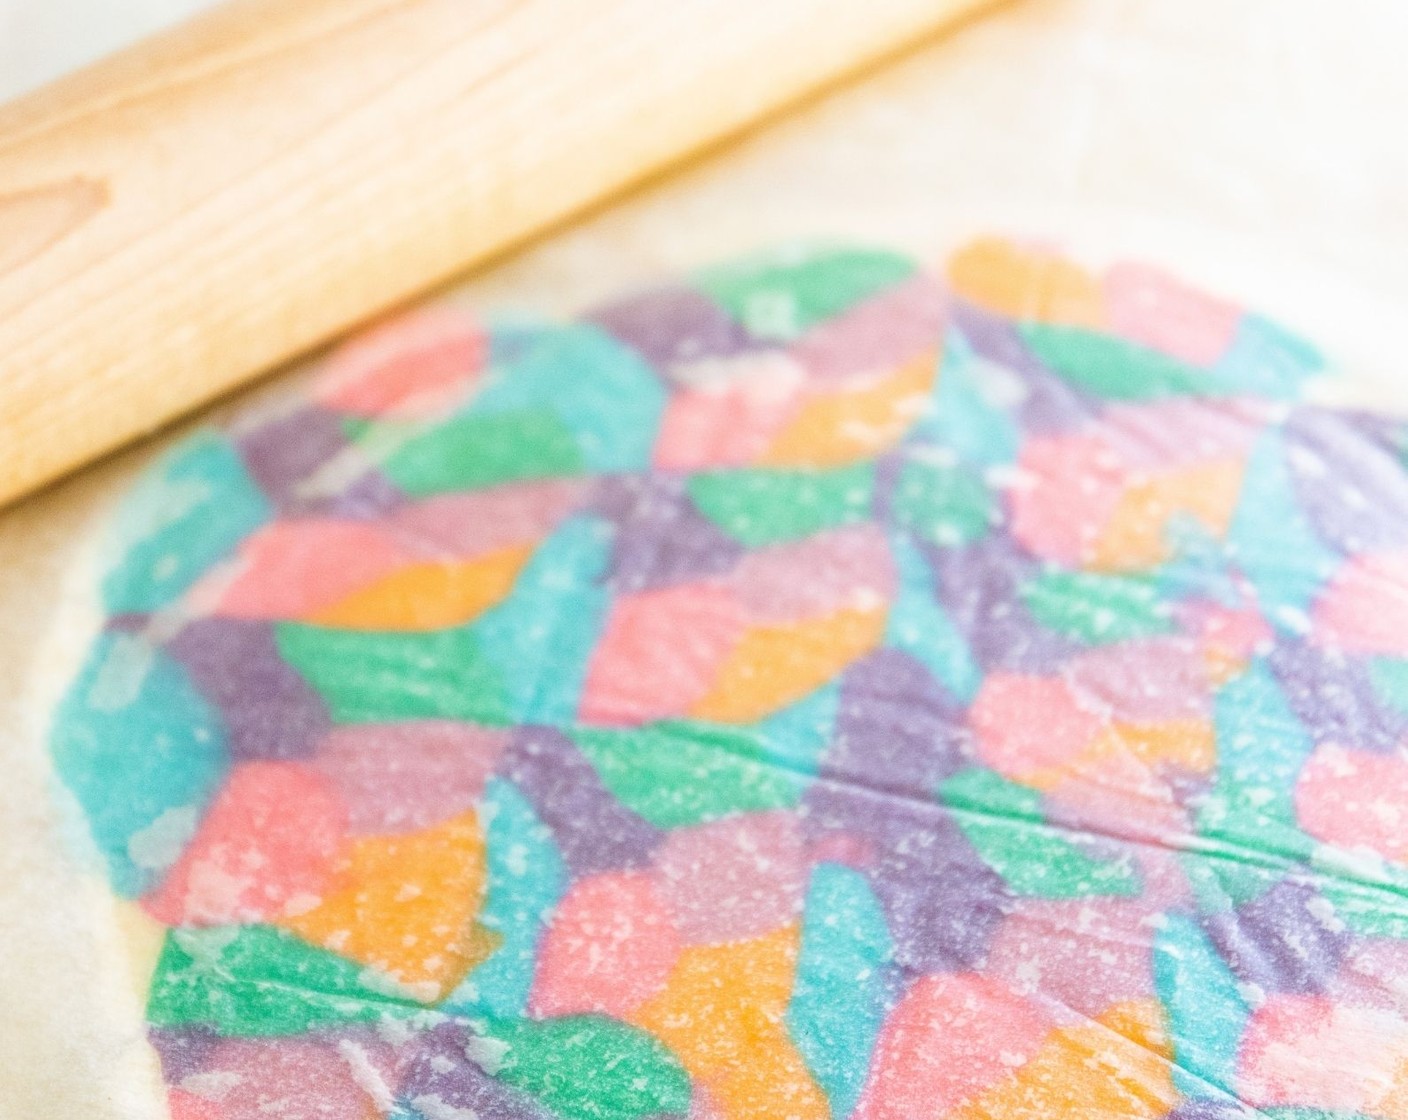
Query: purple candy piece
(1350, 481)
(1276, 941)
(661, 538)
(1334, 698)
(268, 709)
(183, 1050)
(888, 471)
(1214, 1110)
(594, 830)
(897, 729)
(674, 325)
(980, 586)
(1051, 404)
(284, 452)
(942, 903)
(442, 1069)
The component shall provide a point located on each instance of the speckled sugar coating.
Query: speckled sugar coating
(815, 689)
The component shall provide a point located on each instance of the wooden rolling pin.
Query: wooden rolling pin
(194, 211)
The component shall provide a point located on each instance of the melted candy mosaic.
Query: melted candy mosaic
(818, 689)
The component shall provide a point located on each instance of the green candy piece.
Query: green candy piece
(259, 980)
(1374, 906)
(1111, 367)
(1003, 821)
(677, 773)
(1097, 609)
(589, 1067)
(763, 507)
(781, 296)
(946, 505)
(482, 450)
(375, 677)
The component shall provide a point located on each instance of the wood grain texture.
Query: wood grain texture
(189, 213)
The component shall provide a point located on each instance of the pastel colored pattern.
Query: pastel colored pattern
(817, 688)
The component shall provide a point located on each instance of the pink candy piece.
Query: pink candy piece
(1067, 489)
(876, 336)
(1151, 308)
(610, 947)
(1080, 956)
(843, 569)
(408, 367)
(266, 845)
(403, 777)
(296, 1079)
(294, 568)
(187, 1106)
(1028, 724)
(471, 524)
(1355, 799)
(1364, 608)
(730, 419)
(1313, 1052)
(1121, 796)
(1146, 681)
(660, 653)
(1373, 974)
(950, 1037)
(1181, 431)
(732, 879)
(1225, 631)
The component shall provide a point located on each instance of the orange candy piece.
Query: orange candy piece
(430, 595)
(405, 906)
(1134, 538)
(839, 428)
(774, 665)
(1026, 283)
(723, 1014)
(1118, 1064)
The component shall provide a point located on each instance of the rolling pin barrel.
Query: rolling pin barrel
(190, 213)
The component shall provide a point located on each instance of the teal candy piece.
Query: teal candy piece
(946, 504)
(962, 418)
(1220, 884)
(840, 995)
(526, 879)
(679, 773)
(1206, 1012)
(798, 735)
(919, 626)
(484, 450)
(140, 749)
(1112, 367)
(261, 981)
(383, 676)
(1271, 541)
(589, 1067)
(1097, 609)
(1390, 678)
(1261, 747)
(1267, 360)
(604, 392)
(1004, 823)
(781, 295)
(763, 507)
(187, 515)
(540, 638)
